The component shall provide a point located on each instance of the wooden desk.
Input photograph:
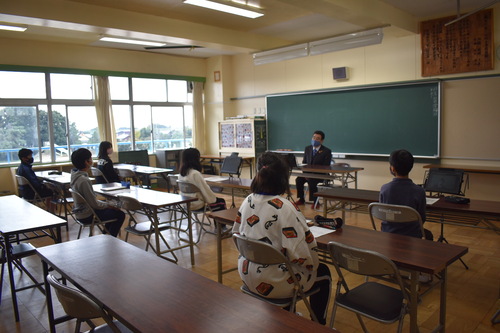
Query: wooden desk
(487, 212)
(232, 183)
(151, 295)
(248, 160)
(345, 175)
(156, 200)
(410, 253)
(466, 168)
(19, 217)
(223, 217)
(147, 171)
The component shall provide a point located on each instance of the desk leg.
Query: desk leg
(232, 198)
(190, 232)
(48, 297)
(413, 301)
(219, 251)
(11, 276)
(442, 307)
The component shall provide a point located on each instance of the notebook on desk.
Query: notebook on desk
(114, 188)
(216, 179)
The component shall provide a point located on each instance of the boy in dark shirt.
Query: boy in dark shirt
(25, 169)
(402, 191)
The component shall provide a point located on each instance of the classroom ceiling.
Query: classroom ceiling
(285, 22)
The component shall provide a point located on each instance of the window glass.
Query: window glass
(168, 127)
(71, 86)
(142, 127)
(84, 119)
(18, 129)
(149, 90)
(60, 127)
(118, 87)
(177, 91)
(121, 116)
(22, 85)
(188, 125)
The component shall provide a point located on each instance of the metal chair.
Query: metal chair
(80, 306)
(129, 175)
(144, 229)
(330, 183)
(17, 253)
(172, 180)
(98, 173)
(193, 190)
(232, 165)
(370, 299)
(263, 253)
(22, 181)
(394, 214)
(60, 200)
(96, 221)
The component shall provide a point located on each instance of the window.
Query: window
(158, 115)
(148, 114)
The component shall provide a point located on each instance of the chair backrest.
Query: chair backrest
(259, 252)
(231, 165)
(394, 213)
(22, 181)
(172, 179)
(342, 165)
(263, 253)
(98, 173)
(188, 188)
(78, 198)
(129, 203)
(126, 173)
(78, 305)
(74, 302)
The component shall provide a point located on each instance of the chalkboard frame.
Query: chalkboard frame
(424, 115)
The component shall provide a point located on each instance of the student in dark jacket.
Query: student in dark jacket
(105, 164)
(314, 154)
(25, 169)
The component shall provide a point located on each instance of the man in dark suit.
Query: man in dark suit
(315, 154)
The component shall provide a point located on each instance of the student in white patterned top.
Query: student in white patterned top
(265, 215)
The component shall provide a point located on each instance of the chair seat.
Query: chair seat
(23, 250)
(374, 300)
(281, 302)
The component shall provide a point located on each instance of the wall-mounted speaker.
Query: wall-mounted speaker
(340, 73)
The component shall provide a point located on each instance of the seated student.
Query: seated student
(265, 214)
(314, 154)
(402, 191)
(105, 164)
(190, 171)
(25, 169)
(80, 182)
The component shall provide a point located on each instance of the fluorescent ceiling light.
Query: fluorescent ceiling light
(130, 41)
(349, 41)
(224, 8)
(12, 28)
(284, 53)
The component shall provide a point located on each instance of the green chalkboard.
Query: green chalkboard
(368, 120)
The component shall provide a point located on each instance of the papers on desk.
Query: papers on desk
(216, 179)
(430, 201)
(114, 188)
(320, 231)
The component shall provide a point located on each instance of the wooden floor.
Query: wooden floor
(473, 295)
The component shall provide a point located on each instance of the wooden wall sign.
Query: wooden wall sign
(464, 46)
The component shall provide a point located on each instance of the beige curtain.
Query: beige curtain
(105, 121)
(198, 117)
